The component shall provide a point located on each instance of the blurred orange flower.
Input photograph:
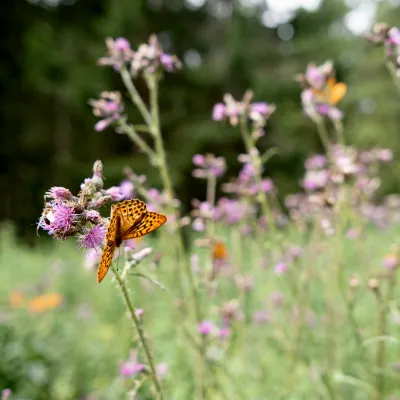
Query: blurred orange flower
(16, 298)
(45, 302)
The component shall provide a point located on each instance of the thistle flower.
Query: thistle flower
(59, 193)
(115, 192)
(149, 58)
(93, 238)
(231, 110)
(119, 53)
(131, 367)
(280, 268)
(321, 92)
(45, 302)
(208, 165)
(127, 189)
(109, 108)
(6, 394)
(206, 328)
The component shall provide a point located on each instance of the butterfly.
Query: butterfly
(129, 219)
(332, 93)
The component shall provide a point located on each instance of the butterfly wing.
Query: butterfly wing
(337, 92)
(109, 249)
(131, 212)
(150, 222)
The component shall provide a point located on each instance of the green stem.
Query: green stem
(380, 355)
(152, 82)
(252, 151)
(130, 131)
(323, 134)
(135, 96)
(131, 309)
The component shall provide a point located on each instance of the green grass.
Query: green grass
(307, 350)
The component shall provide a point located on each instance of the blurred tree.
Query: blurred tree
(49, 73)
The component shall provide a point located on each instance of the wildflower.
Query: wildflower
(321, 92)
(317, 161)
(373, 284)
(352, 234)
(119, 53)
(208, 165)
(109, 108)
(162, 370)
(45, 302)
(115, 192)
(391, 261)
(354, 281)
(280, 268)
(149, 58)
(206, 327)
(315, 179)
(224, 332)
(93, 238)
(132, 367)
(139, 313)
(6, 394)
(93, 216)
(127, 189)
(59, 193)
(232, 110)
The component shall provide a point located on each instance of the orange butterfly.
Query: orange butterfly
(332, 93)
(129, 219)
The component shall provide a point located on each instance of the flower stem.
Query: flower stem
(252, 151)
(323, 134)
(124, 290)
(135, 96)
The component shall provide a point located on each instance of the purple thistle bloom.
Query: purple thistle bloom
(59, 193)
(199, 160)
(317, 161)
(224, 332)
(267, 185)
(122, 44)
(115, 192)
(6, 394)
(391, 261)
(127, 189)
(93, 238)
(315, 77)
(129, 369)
(93, 216)
(280, 268)
(219, 112)
(63, 217)
(206, 327)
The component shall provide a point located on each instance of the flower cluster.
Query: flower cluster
(321, 92)
(232, 110)
(324, 177)
(109, 108)
(247, 184)
(66, 215)
(208, 165)
(148, 58)
(390, 38)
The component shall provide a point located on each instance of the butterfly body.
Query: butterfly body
(129, 219)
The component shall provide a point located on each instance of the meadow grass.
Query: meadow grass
(75, 349)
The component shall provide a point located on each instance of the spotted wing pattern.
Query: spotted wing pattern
(108, 251)
(150, 222)
(129, 219)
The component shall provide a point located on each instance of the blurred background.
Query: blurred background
(48, 73)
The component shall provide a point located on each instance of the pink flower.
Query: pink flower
(115, 192)
(93, 238)
(280, 268)
(127, 189)
(59, 193)
(206, 327)
(219, 112)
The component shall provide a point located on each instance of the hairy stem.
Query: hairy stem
(139, 328)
